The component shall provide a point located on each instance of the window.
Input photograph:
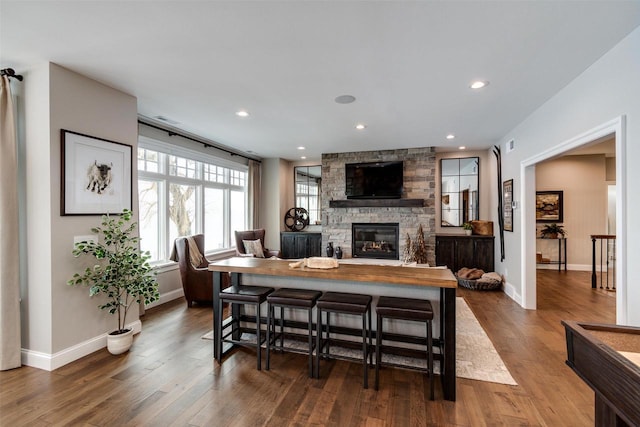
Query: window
(180, 196)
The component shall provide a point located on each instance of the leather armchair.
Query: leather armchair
(252, 235)
(197, 283)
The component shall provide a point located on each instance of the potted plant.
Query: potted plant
(552, 231)
(468, 229)
(122, 273)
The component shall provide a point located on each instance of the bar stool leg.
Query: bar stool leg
(378, 342)
(281, 328)
(310, 329)
(218, 334)
(370, 340)
(269, 321)
(328, 343)
(318, 341)
(364, 350)
(258, 337)
(430, 357)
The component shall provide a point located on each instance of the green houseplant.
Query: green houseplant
(468, 229)
(552, 231)
(122, 273)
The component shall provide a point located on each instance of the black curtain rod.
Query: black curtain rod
(173, 133)
(10, 72)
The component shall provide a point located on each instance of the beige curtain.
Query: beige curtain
(9, 243)
(254, 193)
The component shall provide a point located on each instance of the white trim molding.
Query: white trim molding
(617, 127)
(51, 362)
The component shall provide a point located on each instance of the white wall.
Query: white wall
(607, 90)
(36, 307)
(58, 317)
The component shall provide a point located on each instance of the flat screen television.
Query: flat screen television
(374, 180)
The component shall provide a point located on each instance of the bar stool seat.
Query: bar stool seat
(344, 303)
(294, 297)
(304, 299)
(405, 309)
(252, 295)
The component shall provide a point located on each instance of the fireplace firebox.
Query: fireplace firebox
(375, 240)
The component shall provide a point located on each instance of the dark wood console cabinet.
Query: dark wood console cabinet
(300, 244)
(457, 251)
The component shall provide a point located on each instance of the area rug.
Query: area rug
(476, 357)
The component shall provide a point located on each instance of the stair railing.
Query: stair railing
(607, 256)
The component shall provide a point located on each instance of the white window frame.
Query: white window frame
(164, 179)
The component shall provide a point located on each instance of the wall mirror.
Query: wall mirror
(308, 187)
(459, 191)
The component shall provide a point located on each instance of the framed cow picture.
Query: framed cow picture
(95, 175)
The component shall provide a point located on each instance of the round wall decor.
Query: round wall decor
(296, 219)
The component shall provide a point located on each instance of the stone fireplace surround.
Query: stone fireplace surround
(419, 183)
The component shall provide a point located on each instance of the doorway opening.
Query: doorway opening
(613, 128)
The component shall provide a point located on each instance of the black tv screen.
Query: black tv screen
(375, 180)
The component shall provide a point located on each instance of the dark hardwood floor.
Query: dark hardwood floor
(169, 376)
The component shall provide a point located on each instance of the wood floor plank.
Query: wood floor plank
(169, 377)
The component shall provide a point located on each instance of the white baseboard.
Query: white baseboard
(510, 290)
(166, 297)
(50, 362)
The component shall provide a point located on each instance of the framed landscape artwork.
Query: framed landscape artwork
(507, 206)
(96, 175)
(549, 206)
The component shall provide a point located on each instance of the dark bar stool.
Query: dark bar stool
(344, 303)
(301, 299)
(416, 310)
(252, 295)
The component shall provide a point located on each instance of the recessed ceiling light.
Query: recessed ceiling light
(242, 113)
(360, 126)
(301, 148)
(345, 99)
(303, 157)
(462, 148)
(451, 136)
(478, 84)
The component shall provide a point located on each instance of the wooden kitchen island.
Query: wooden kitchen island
(437, 284)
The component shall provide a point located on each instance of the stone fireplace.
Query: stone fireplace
(419, 184)
(374, 240)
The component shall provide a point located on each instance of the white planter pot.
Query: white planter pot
(468, 232)
(120, 343)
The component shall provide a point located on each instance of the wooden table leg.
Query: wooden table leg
(449, 357)
(217, 315)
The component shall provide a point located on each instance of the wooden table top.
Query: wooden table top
(416, 276)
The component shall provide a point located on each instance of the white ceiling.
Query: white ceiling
(408, 64)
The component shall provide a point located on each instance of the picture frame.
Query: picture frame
(507, 206)
(95, 175)
(549, 206)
